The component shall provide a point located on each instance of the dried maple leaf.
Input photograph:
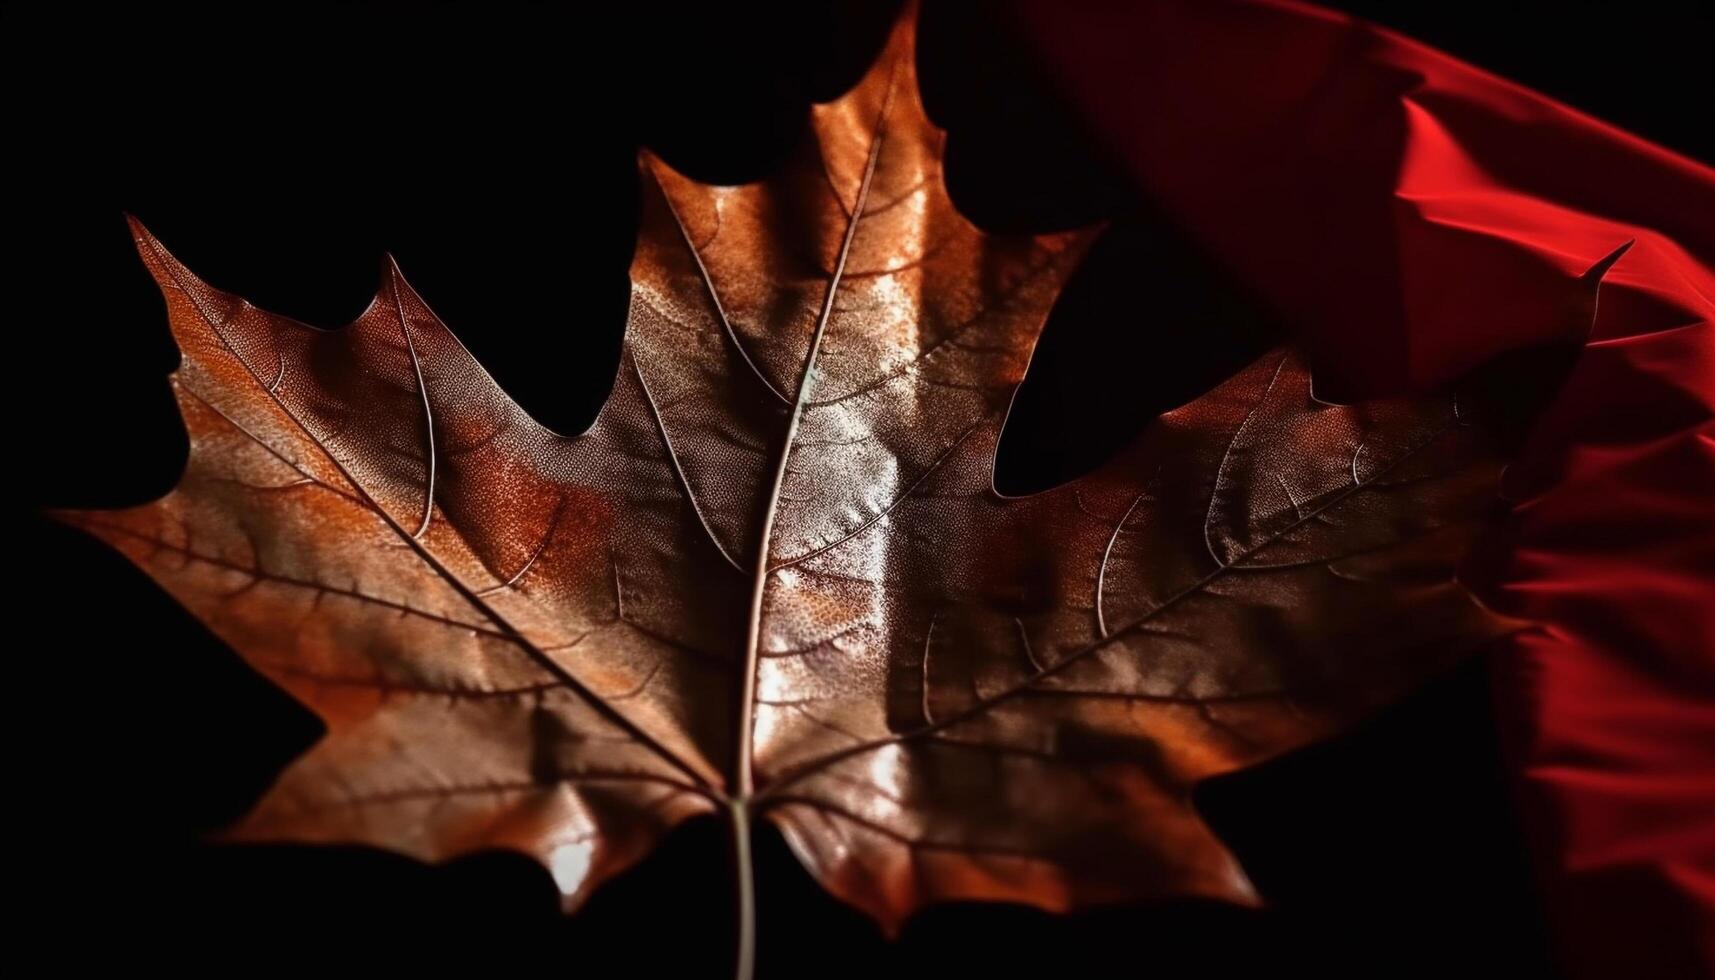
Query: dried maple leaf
(774, 577)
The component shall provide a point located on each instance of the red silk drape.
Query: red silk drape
(1412, 216)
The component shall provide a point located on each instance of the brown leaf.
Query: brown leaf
(774, 578)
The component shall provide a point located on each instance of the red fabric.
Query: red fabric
(1413, 216)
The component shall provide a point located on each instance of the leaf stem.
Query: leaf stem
(744, 887)
(742, 789)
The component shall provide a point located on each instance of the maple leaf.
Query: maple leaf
(774, 579)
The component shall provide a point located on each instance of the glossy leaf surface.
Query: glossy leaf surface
(774, 577)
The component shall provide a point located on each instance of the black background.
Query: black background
(280, 150)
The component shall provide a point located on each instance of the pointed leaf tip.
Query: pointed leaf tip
(140, 234)
(394, 287)
(165, 267)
